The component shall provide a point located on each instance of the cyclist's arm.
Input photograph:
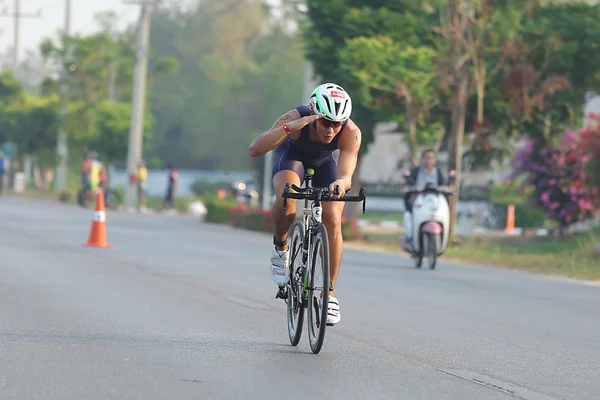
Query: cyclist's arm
(349, 145)
(272, 138)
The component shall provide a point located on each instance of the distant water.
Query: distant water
(470, 212)
(158, 179)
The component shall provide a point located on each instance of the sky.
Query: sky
(34, 30)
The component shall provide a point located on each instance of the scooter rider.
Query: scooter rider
(427, 174)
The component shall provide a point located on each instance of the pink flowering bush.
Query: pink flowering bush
(590, 138)
(556, 177)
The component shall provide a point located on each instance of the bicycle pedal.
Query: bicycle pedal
(282, 294)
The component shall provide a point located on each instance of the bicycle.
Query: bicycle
(309, 236)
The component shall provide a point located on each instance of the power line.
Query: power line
(17, 15)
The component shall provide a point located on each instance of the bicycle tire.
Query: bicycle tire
(295, 319)
(81, 198)
(319, 241)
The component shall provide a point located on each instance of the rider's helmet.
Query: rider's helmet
(332, 100)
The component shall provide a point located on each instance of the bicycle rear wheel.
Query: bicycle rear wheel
(318, 290)
(295, 308)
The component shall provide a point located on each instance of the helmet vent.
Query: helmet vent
(345, 106)
(327, 103)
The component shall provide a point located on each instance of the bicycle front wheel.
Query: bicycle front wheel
(318, 290)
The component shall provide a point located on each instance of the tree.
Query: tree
(530, 99)
(399, 73)
(548, 68)
(331, 24)
(472, 47)
(227, 88)
(455, 80)
(9, 86)
(98, 67)
(111, 130)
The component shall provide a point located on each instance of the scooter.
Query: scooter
(430, 225)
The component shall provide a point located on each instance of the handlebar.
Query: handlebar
(321, 194)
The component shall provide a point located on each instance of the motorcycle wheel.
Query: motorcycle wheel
(432, 250)
(418, 256)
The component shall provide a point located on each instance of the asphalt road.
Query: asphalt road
(184, 310)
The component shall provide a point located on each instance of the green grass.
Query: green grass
(571, 257)
(381, 216)
(506, 194)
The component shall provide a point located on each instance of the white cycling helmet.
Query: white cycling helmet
(332, 100)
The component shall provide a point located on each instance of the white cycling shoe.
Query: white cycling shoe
(280, 266)
(333, 311)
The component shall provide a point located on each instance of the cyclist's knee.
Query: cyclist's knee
(279, 181)
(332, 215)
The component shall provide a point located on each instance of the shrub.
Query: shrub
(590, 138)
(228, 212)
(203, 188)
(501, 196)
(217, 211)
(554, 176)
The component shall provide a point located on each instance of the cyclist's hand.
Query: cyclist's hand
(340, 189)
(300, 123)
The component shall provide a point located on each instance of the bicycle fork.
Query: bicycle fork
(305, 264)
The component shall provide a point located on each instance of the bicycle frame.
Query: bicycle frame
(312, 216)
(299, 293)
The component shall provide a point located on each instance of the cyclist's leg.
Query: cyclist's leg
(284, 171)
(325, 174)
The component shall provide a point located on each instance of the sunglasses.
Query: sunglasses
(325, 123)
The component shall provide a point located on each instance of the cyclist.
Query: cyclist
(96, 175)
(320, 136)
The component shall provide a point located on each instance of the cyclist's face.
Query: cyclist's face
(326, 130)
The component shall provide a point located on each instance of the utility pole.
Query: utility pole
(136, 129)
(17, 15)
(62, 143)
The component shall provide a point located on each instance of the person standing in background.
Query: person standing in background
(169, 202)
(142, 183)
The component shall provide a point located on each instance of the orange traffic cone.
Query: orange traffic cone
(98, 232)
(510, 219)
